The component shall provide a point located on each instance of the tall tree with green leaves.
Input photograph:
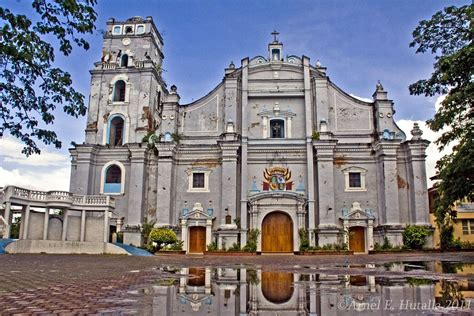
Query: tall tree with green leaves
(449, 35)
(31, 87)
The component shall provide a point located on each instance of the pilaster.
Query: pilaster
(418, 189)
(244, 172)
(228, 190)
(164, 205)
(387, 174)
(136, 184)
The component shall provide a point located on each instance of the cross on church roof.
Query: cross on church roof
(275, 34)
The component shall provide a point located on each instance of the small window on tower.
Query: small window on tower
(124, 61)
(119, 91)
(129, 30)
(117, 30)
(140, 29)
(275, 54)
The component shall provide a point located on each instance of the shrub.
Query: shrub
(212, 246)
(161, 237)
(234, 247)
(146, 229)
(414, 237)
(446, 237)
(178, 246)
(304, 240)
(251, 245)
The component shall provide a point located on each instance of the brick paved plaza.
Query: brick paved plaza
(85, 284)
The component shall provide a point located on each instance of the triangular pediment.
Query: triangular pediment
(358, 215)
(197, 214)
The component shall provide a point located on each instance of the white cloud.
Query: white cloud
(432, 152)
(48, 171)
(10, 151)
(361, 98)
(52, 179)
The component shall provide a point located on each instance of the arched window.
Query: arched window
(119, 91)
(116, 131)
(277, 128)
(124, 61)
(113, 179)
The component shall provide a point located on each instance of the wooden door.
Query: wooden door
(197, 276)
(277, 233)
(197, 239)
(357, 239)
(277, 287)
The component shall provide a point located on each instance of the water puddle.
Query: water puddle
(411, 288)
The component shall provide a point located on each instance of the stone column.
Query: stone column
(184, 234)
(243, 291)
(207, 281)
(288, 127)
(370, 234)
(83, 225)
(64, 231)
(106, 226)
(265, 127)
(7, 219)
(27, 222)
(208, 232)
(45, 223)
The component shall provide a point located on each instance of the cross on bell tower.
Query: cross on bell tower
(275, 34)
(275, 48)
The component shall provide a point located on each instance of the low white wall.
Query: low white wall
(63, 247)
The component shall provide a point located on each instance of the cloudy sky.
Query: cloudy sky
(359, 42)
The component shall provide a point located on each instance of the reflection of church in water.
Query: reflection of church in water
(227, 291)
(275, 146)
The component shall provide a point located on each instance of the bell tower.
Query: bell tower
(275, 48)
(126, 86)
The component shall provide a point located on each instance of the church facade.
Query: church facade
(275, 148)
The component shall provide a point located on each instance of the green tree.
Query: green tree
(31, 88)
(448, 35)
(162, 237)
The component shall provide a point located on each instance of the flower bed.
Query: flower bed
(170, 252)
(229, 253)
(325, 252)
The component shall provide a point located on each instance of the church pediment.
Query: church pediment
(356, 213)
(198, 212)
(272, 196)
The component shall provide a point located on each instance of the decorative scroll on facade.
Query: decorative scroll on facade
(277, 179)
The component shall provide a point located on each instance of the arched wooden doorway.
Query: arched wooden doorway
(277, 287)
(277, 233)
(197, 239)
(357, 239)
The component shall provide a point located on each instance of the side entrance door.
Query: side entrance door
(197, 239)
(357, 239)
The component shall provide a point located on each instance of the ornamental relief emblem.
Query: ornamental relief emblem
(277, 179)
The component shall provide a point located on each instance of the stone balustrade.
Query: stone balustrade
(13, 192)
